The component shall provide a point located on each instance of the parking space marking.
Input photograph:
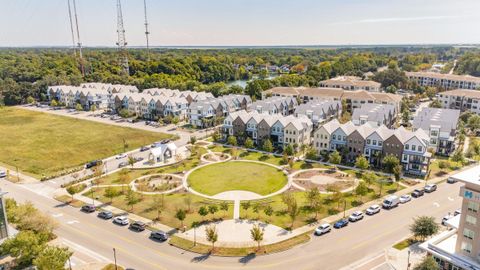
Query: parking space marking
(57, 215)
(450, 199)
(436, 204)
(72, 222)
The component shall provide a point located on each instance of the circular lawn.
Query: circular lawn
(237, 175)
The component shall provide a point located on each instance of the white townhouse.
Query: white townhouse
(322, 136)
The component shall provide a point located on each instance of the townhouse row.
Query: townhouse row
(374, 143)
(209, 112)
(279, 129)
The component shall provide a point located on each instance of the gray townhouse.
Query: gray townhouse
(375, 114)
(319, 111)
(208, 112)
(273, 105)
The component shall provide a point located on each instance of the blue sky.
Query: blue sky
(244, 22)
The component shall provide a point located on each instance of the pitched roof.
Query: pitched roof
(444, 119)
(462, 93)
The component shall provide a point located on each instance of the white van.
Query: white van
(391, 202)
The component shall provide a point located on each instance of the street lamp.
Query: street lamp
(344, 207)
(115, 258)
(408, 262)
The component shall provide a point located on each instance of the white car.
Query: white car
(356, 216)
(3, 173)
(322, 229)
(120, 156)
(405, 198)
(121, 220)
(457, 212)
(373, 209)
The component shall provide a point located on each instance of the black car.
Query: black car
(144, 148)
(88, 208)
(165, 141)
(138, 226)
(159, 235)
(93, 164)
(417, 193)
(105, 215)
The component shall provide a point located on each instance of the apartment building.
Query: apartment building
(351, 83)
(280, 130)
(375, 114)
(459, 247)
(447, 81)
(441, 127)
(352, 99)
(273, 105)
(374, 143)
(461, 99)
(205, 112)
(319, 111)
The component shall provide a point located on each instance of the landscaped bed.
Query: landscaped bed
(45, 144)
(158, 183)
(324, 179)
(236, 175)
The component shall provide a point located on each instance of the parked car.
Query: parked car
(451, 180)
(105, 215)
(391, 202)
(430, 188)
(121, 220)
(446, 218)
(88, 208)
(341, 223)
(138, 159)
(3, 173)
(138, 226)
(165, 141)
(373, 209)
(120, 156)
(418, 192)
(322, 229)
(457, 212)
(405, 198)
(356, 216)
(92, 164)
(159, 235)
(122, 164)
(144, 148)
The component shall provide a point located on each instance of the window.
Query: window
(471, 220)
(473, 206)
(413, 147)
(380, 143)
(405, 158)
(334, 136)
(345, 138)
(374, 142)
(419, 148)
(467, 247)
(407, 146)
(368, 141)
(468, 233)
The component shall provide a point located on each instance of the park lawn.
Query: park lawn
(172, 202)
(281, 218)
(446, 164)
(45, 144)
(216, 178)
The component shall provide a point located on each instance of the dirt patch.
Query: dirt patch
(337, 185)
(158, 183)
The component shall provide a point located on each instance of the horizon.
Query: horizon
(244, 23)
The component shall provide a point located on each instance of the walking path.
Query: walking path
(236, 209)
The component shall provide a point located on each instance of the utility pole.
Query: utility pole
(121, 42)
(71, 29)
(146, 29)
(79, 43)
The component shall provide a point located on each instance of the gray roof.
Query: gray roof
(374, 112)
(269, 104)
(318, 107)
(445, 119)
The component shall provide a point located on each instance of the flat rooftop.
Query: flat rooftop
(471, 176)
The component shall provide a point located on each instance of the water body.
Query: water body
(243, 83)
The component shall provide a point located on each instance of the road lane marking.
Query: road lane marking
(57, 215)
(72, 222)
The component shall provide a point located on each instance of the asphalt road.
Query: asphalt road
(332, 251)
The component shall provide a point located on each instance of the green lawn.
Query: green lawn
(249, 176)
(45, 144)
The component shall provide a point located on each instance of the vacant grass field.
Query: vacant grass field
(248, 176)
(44, 144)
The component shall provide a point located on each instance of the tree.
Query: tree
(424, 227)
(72, 191)
(362, 163)
(334, 157)
(124, 178)
(474, 122)
(181, 215)
(212, 235)
(216, 136)
(293, 211)
(52, 258)
(193, 140)
(397, 172)
(458, 156)
(213, 209)
(257, 234)
(131, 198)
(268, 210)
(93, 108)
(188, 202)
(406, 117)
(224, 207)
(287, 199)
(175, 120)
(202, 211)
(288, 150)
(246, 205)
(25, 247)
(389, 162)
(131, 161)
(30, 100)
(428, 263)
(314, 199)
(249, 143)
(267, 146)
(232, 140)
(391, 89)
(53, 103)
(111, 192)
(361, 190)
(158, 204)
(78, 107)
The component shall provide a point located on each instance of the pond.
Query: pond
(243, 83)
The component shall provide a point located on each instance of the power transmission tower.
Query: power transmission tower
(122, 43)
(71, 29)
(146, 29)
(78, 39)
